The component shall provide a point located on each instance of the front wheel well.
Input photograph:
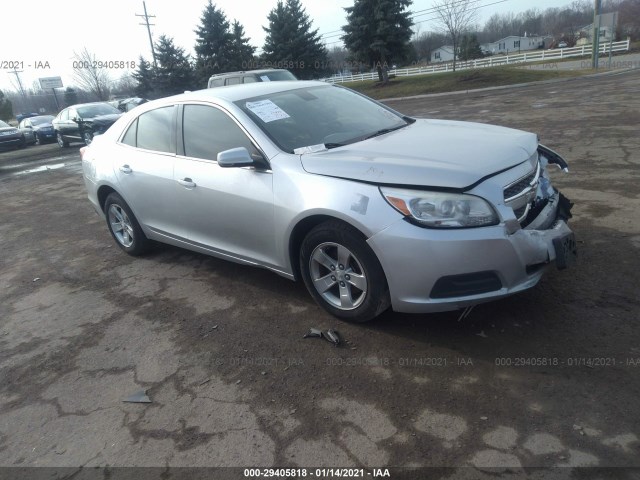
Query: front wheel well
(300, 231)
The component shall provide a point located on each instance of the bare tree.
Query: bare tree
(454, 18)
(90, 75)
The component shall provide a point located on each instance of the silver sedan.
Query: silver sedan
(370, 208)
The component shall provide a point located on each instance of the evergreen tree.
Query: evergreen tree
(145, 76)
(378, 32)
(241, 52)
(291, 43)
(6, 109)
(213, 44)
(174, 73)
(469, 48)
(70, 96)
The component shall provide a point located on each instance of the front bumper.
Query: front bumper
(426, 267)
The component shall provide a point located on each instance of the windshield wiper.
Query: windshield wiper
(385, 130)
(331, 145)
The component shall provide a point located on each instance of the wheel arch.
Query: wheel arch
(103, 192)
(300, 231)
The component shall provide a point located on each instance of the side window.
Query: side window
(64, 115)
(72, 114)
(130, 137)
(233, 81)
(250, 79)
(154, 130)
(208, 131)
(23, 124)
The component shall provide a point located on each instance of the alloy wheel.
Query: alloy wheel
(121, 225)
(338, 276)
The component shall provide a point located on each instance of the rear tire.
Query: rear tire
(124, 226)
(342, 273)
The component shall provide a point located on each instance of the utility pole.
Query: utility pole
(17, 73)
(149, 25)
(596, 34)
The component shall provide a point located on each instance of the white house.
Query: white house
(442, 54)
(513, 44)
(607, 23)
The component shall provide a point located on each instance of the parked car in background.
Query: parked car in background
(11, 137)
(22, 116)
(80, 123)
(38, 130)
(252, 76)
(128, 104)
(370, 208)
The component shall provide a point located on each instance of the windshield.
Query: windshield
(324, 116)
(41, 120)
(90, 111)
(277, 76)
(4, 125)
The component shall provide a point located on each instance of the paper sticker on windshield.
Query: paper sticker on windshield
(267, 111)
(310, 149)
(264, 78)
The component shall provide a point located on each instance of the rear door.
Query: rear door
(229, 210)
(144, 168)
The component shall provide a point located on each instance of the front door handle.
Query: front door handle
(126, 169)
(187, 182)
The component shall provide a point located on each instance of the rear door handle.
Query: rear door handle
(187, 182)
(126, 169)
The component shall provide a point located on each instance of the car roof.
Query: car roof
(233, 93)
(248, 72)
(87, 104)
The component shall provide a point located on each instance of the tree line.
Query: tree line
(378, 35)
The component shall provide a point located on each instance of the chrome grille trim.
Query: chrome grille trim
(523, 185)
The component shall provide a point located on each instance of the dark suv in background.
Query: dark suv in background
(80, 123)
(252, 76)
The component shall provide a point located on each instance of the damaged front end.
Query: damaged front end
(541, 214)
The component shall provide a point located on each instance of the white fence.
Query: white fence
(494, 61)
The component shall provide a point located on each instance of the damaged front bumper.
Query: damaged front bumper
(431, 270)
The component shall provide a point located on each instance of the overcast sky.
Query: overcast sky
(48, 31)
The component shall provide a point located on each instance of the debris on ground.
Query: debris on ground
(331, 335)
(482, 334)
(36, 279)
(313, 332)
(138, 397)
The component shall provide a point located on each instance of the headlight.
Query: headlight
(441, 209)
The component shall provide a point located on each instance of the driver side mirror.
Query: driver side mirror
(235, 157)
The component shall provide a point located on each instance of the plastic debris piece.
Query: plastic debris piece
(205, 381)
(313, 332)
(482, 334)
(332, 336)
(138, 397)
(36, 279)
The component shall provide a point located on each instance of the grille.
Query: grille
(515, 188)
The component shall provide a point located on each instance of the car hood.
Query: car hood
(435, 153)
(105, 119)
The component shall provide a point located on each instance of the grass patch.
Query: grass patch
(456, 81)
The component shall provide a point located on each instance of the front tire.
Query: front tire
(342, 273)
(124, 226)
(87, 137)
(62, 143)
